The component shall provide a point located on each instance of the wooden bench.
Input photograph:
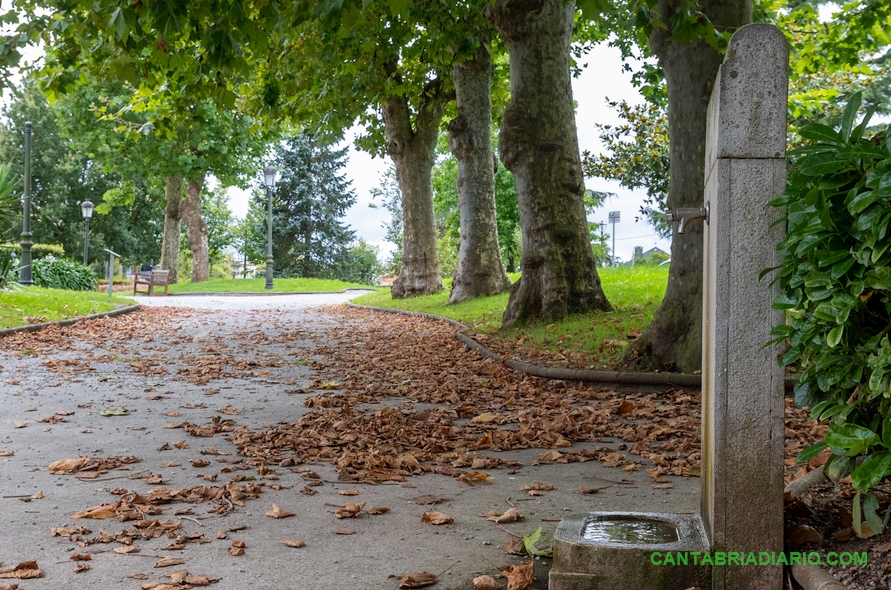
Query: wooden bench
(152, 278)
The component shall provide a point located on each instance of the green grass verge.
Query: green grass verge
(34, 305)
(259, 286)
(594, 340)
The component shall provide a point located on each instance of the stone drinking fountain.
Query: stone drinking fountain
(741, 508)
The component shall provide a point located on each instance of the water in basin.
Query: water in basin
(629, 531)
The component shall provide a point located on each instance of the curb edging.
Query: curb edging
(611, 377)
(68, 322)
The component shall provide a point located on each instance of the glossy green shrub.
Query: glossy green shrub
(57, 273)
(835, 285)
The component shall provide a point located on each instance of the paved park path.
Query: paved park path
(234, 410)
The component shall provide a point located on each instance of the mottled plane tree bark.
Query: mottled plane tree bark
(480, 270)
(412, 148)
(196, 229)
(173, 193)
(539, 144)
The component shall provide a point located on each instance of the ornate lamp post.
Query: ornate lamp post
(87, 208)
(269, 174)
(25, 275)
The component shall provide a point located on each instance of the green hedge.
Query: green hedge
(37, 250)
(836, 290)
(57, 273)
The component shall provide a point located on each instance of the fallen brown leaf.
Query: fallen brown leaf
(417, 580)
(469, 478)
(801, 534)
(547, 457)
(97, 512)
(239, 544)
(26, 570)
(486, 583)
(124, 549)
(81, 567)
(169, 561)
(66, 466)
(294, 543)
(178, 577)
(202, 580)
(349, 510)
(348, 492)
(437, 518)
(278, 512)
(519, 577)
(514, 546)
(236, 551)
(344, 532)
(80, 557)
(626, 407)
(511, 515)
(378, 510)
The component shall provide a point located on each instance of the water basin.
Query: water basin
(628, 530)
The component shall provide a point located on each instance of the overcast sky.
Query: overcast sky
(602, 79)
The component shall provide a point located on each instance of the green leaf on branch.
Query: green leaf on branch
(850, 114)
(875, 468)
(856, 516)
(811, 452)
(820, 132)
(870, 513)
(853, 438)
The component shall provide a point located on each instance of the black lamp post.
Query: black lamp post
(25, 275)
(87, 208)
(269, 177)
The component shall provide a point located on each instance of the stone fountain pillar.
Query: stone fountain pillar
(742, 384)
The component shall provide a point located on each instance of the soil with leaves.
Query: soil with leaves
(384, 399)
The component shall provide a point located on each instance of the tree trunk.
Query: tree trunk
(673, 341)
(539, 144)
(196, 229)
(413, 151)
(173, 192)
(480, 271)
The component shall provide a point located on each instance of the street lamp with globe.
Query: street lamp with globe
(87, 209)
(269, 174)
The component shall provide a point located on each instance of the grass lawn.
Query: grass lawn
(34, 305)
(594, 340)
(259, 286)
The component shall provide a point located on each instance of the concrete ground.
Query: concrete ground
(86, 376)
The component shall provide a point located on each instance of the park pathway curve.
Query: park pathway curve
(211, 430)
